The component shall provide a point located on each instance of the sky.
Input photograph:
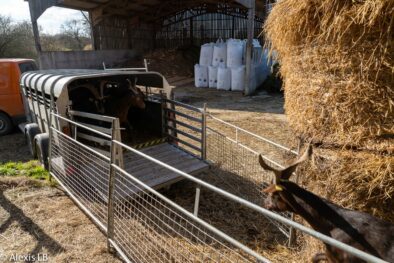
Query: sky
(50, 21)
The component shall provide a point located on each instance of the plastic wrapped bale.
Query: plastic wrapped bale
(219, 53)
(213, 76)
(224, 78)
(238, 78)
(200, 76)
(206, 54)
(234, 52)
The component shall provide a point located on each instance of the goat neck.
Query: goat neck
(315, 210)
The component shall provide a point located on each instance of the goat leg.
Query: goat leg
(319, 257)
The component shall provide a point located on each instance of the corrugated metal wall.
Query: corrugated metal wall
(183, 29)
(201, 29)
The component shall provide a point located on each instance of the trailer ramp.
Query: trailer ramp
(156, 176)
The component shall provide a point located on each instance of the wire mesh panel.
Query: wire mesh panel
(148, 229)
(237, 163)
(83, 172)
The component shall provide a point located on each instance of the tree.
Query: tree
(76, 33)
(16, 39)
(6, 34)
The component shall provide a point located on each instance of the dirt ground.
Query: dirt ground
(262, 113)
(41, 220)
(44, 220)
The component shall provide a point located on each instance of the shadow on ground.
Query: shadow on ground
(16, 215)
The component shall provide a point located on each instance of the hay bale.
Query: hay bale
(361, 181)
(337, 63)
(336, 59)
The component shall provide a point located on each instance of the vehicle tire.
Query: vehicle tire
(6, 125)
(31, 130)
(41, 142)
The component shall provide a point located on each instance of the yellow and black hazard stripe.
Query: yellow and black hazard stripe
(150, 143)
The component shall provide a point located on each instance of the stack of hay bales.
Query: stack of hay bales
(336, 60)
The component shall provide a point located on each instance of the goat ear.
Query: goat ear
(286, 173)
(270, 189)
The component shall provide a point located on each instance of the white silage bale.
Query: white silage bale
(213, 76)
(219, 53)
(206, 54)
(200, 76)
(234, 53)
(224, 78)
(238, 78)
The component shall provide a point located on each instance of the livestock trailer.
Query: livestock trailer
(86, 105)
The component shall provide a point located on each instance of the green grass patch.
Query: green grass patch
(32, 169)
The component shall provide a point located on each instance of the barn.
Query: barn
(123, 29)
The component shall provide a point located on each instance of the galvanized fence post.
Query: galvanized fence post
(50, 146)
(292, 232)
(111, 184)
(204, 133)
(197, 200)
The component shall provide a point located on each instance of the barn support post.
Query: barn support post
(249, 45)
(36, 36)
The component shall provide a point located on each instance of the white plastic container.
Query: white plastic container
(224, 78)
(213, 77)
(257, 51)
(206, 54)
(238, 78)
(200, 76)
(235, 50)
(219, 53)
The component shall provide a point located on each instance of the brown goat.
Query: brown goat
(120, 105)
(357, 229)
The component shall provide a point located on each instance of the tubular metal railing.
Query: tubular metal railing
(185, 126)
(143, 225)
(236, 150)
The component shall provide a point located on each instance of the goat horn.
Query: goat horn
(287, 172)
(269, 168)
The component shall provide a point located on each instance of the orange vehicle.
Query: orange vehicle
(11, 104)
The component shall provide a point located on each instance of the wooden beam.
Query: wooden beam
(249, 45)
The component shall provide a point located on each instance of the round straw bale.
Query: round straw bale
(358, 180)
(336, 60)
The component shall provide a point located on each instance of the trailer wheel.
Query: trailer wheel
(41, 142)
(31, 130)
(5, 124)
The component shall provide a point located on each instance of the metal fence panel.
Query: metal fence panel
(146, 226)
(148, 229)
(83, 172)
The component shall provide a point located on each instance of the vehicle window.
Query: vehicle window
(27, 66)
